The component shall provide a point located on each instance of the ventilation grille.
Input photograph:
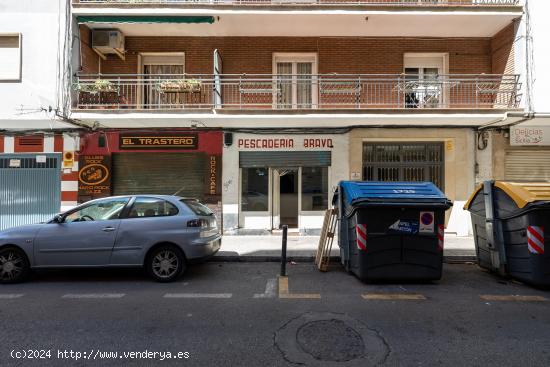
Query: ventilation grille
(30, 140)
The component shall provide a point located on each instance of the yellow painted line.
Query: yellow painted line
(506, 298)
(285, 293)
(393, 296)
(300, 296)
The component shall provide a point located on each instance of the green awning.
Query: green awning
(132, 19)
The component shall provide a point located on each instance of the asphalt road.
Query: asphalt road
(241, 314)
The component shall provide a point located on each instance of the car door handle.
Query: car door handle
(108, 229)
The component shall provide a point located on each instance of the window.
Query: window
(157, 68)
(404, 162)
(10, 57)
(197, 207)
(314, 188)
(255, 186)
(107, 209)
(152, 207)
(424, 85)
(295, 87)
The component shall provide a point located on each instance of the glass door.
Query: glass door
(423, 88)
(295, 86)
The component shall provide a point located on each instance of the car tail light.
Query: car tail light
(208, 227)
(197, 223)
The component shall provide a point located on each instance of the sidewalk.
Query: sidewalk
(303, 248)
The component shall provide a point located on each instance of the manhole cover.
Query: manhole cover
(322, 339)
(330, 340)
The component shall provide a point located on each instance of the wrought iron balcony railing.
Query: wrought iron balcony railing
(305, 2)
(287, 92)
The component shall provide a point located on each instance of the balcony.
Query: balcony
(300, 3)
(295, 93)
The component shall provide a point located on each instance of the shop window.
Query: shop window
(314, 188)
(10, 57)
(255, 186)
(152, 207)
(107, 209)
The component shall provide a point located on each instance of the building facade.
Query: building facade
(261, 107)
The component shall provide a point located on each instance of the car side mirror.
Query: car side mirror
(58, 218)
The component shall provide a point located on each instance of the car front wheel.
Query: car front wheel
(165, 263)
(14, 266)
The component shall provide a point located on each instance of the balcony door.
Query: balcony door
(425, 80)
(295, 80)
(156, 68)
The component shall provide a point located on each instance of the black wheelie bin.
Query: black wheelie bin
(511, 223)
(391, 230)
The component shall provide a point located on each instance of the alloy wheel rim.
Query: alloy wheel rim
(11, 265)
(165, 264)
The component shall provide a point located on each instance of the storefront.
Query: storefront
(527, 157)
(275, 180)
(445, 157)
(182, 162)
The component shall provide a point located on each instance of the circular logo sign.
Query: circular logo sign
(427, 219)
(93, 174)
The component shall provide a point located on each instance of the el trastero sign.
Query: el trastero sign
(530, 135)
(94, 175)
(154, 141)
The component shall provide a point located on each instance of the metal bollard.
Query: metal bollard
(283, 251)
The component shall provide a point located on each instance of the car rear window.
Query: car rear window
(197, 207)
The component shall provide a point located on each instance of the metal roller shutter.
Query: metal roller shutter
(159, 173)
(527, 164)
(285, 159)
(30, 193)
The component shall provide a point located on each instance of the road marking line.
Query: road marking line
(490, 297)
(94, 295)
(284, 292)
(10, 296)
(270, 289)
(393, 296)
(198, 295)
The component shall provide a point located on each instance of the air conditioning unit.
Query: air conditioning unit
(108, 41)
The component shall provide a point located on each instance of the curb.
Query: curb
(452, 259)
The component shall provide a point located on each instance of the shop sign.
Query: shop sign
(529, 135)
(212, 175)
(154, 141)
(94, 176)
(284, 143)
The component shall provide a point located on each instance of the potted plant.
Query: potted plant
(97, 86)
(179, 86)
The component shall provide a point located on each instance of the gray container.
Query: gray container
(509, 221)
(392, 230)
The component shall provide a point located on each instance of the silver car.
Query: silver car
(161, 233)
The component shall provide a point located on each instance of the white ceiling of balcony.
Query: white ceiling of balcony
(318, 23)
(209, 120)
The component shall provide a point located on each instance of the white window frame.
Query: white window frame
(436, 60)
(166, 58)
(18, 75)
(295, 58)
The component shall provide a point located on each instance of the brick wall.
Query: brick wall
(336, 54)
(502, 50)
(89, 59)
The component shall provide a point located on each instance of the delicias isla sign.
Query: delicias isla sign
(94, 175)
(154, 141)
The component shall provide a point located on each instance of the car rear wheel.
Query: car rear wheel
(166, 263)
(14, 266)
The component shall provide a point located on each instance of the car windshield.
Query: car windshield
(197, 207)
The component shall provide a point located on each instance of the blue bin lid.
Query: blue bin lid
(362, 193)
